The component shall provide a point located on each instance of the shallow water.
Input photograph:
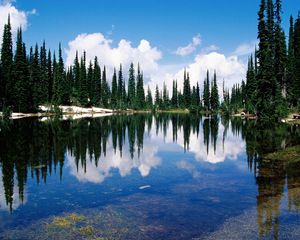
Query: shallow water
(147, 177)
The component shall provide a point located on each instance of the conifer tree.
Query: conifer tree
(120, 87)
(197, 94)
(186, 90)
(165, 97)
(206, 93)
(44, 74)
(90, 73)
(131, 87)
(296, 83)
(20, 89)
(114, 90)
(105, 93)
(140, 92)
(49, 76)
(36, 77)
(83, 89)
(96, 84)
(214, 94)
(76, 71)
(291, 63)
(280, 50)
(157, 97)
(174, 99)
(149, 99)
(6, 62)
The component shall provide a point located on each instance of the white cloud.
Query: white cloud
(209, 49)
(96, 44)
(230, 68)
(190, 48)
(125, 164)
(245, 49)
(17, 17)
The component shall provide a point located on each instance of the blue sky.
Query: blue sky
(226, 28)
(166, 24)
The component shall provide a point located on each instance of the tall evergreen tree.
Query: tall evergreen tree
(157, 97)
(76, 71)
(296, 83)
(291, 63)
(114, 90)
(140, 92)
(90, 73)
(186, 90)
(36, 80)
(280, 50)
(267, 85)
(6, 62)
(20, 89)
(174, 99)
(83, 88)
(206, 93)
(44, 74)
(214, 94)
(251, 86)
(120, 87)
(60, 88)
(131, 87)
(105, 93)
(149, 99)
(96, 84)
(50, 76)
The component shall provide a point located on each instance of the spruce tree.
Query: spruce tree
(291, 63)
(206, 93)
(83, 90)
(140, 92)
(214, 94)
(131, 87)
(266, 84)
(90, 73)
(105, 93)
(296, 83)
(76, 72)
(280, 51)
(19, 91)
(6, 63)
(50, 76)
(174, 99)
(149, 99)
(114, 90)
(96, 86)
(120, 88)
(157, 97)
(186, 90)
(44, 74)
(36, 77)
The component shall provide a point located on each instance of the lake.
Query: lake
(163, 176)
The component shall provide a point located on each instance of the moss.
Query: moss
(67, 221)
(87, 231)
(290, 154)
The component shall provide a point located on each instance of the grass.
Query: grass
(290, 154)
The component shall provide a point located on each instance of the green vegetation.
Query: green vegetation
(290, 154)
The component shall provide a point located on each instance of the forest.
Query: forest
(271, 88)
